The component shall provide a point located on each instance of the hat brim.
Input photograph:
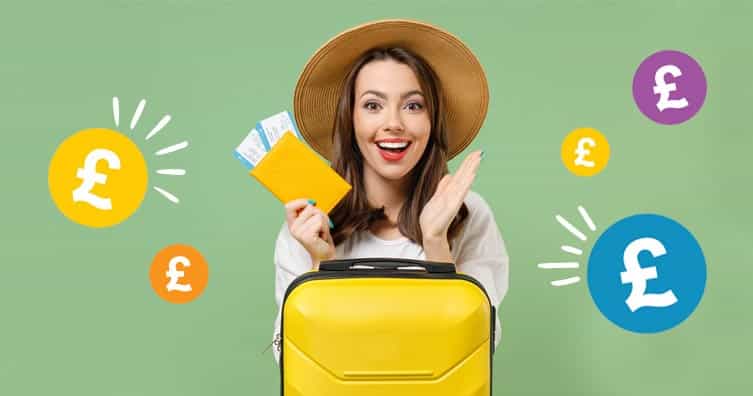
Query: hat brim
(462, 78)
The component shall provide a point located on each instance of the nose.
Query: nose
(394, 122)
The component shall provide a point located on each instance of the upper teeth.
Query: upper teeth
(393, 145)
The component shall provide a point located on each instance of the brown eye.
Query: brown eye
(371, 106)
(414, 106)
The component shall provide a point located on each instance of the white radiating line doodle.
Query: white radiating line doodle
(170, 197)
(156, 129)
(583, 152)
(172, 149)
(175, 275)
(89, 176)
(566, 281)
(587, 218)
(571, 228)
(116, 110)
(137, 114)
(571, 250)
(637, 276)
(664, 89)
(565, 265)
(161, 124)
(171, 172)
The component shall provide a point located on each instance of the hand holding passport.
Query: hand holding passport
(287, 167)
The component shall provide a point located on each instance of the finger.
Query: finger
(327, 241)
(308, 212)
(297, 204)
(325, 219)
(313, 228)
(457, 192)
(465, 185)
(472, 169)
(442, 186)
(466, 175)
(466, 161)
(326, 223)
(330, 240)
(470, 163)
(458, 195)
(452, 184)
(292, 208)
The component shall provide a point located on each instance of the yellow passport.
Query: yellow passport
(291, 170)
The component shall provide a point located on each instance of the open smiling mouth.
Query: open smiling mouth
(393, 151)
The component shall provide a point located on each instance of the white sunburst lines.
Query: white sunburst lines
(170, 197)
(570, 249)
(161, 152)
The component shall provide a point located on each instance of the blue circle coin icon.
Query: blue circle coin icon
(646, 273)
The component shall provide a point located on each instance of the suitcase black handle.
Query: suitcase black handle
(386, 263)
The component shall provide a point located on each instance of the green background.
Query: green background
(78, 315)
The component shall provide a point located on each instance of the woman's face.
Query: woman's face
(391, 122)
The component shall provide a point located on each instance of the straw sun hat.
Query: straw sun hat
(460, 74)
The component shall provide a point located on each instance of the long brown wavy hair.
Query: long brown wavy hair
(354, 213)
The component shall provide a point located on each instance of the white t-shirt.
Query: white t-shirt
(479, 251)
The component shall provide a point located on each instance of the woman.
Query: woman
(389, 103)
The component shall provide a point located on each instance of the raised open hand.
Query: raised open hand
(443, 206)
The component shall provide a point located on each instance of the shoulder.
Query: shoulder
(478, 208)
(480, 219)
(480, 237)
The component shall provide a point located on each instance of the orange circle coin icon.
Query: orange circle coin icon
(179, 273)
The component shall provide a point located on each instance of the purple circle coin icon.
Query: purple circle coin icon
(669, 87)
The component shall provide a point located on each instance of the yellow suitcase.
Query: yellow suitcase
(383, 326)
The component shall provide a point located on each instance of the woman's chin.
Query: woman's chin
(393, 174)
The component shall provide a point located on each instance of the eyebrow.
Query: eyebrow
(384, 96)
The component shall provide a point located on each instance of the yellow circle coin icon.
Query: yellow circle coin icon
(97, 177)
(585, 152)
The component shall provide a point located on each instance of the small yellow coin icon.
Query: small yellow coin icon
(179, 273)
(97, 177)
(585, 152)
